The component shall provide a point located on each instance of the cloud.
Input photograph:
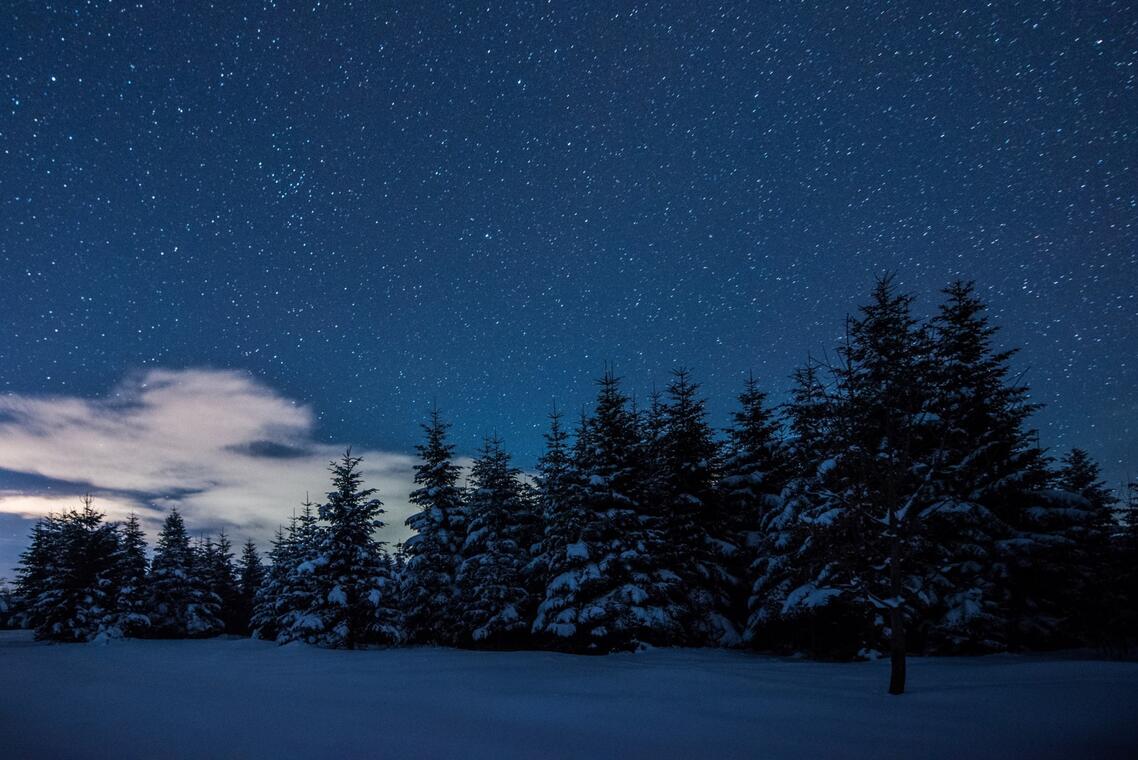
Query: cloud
(227, 450)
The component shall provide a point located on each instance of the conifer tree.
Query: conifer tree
(180, 602)
(429, 586)
(1084, 590)
(988, 479)
(790, 534)
(356, 596)
(69, 574)
(755, 470)
(494, 601)
(270, 595)
(250, 577)
(39, 564)
(606, 591)
(853, 568)
(700, 544)
(220, 576)
(131, 610)
(560, 515)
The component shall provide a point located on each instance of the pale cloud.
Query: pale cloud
(227, 450)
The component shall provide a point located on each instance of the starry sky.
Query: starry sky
(339, 214)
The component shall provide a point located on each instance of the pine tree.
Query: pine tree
(300, 591)
(68, 575)
(220, 576)
(39, 565)
(788, 609)
(270, 594)
(429, 586)
(180, 603)
(606, 592)
(494, 602)
(356, 600)
(131, 610)
(1084, 590)
(988, 478)
(755, 471)
(250, 577)
(701, 544)
(560, 515)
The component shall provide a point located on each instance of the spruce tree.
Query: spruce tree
(700, 544)
(356, 596)
(220, 576)
(755, 470)
(1084, 591)
(560, 515)
(180, 603)
(250, 577)
(788, 609)
(131, 610)
(494, 601)
(270, 595)
(429, 586)
(69, 576)
(39, 565)
(989, 477)
(606, 591)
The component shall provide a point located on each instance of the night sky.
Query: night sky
(355, 211)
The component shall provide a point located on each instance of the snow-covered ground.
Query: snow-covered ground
(240, 698)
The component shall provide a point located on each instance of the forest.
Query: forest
(898, 503)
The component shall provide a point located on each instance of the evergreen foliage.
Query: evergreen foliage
(355, 600)
(495, 603)
(430, 588)
(180, 601)
(898, 502)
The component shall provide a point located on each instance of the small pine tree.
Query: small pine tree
(607, 591)
(494, 602)
(132, 618)
(250, 577)
(560, 515)
(700, 544)
(1084, 591)
(755, 470)
(68, 575)
(181, 604)
(220, 575)
(356, 601)
(429, 585)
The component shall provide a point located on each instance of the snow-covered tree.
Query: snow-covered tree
(356, 600)
(494, 602)
(989, 474)
(1084, 590)
(701, 545)
(429, 586)
(131, 610)
(68, 576)
(265, 619)
(250, 577)
(560, 514)
(180, 603)
(606, 591)
(755, 470)
(218, 571)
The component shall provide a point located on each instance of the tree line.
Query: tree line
(897, 503)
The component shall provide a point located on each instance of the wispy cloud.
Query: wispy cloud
(229, 451)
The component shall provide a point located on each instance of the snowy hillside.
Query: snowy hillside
(243, 698)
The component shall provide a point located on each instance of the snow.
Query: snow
(579, 550)
(244, 698)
